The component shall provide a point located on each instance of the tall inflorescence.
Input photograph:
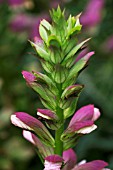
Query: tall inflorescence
(60, 55)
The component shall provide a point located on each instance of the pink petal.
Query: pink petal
(53, 162)
(92, 15)
(80, 125)
(83, 114)
(43, 149)
(46, 113)
(25, 121)
(94, 165)
(31, 137)
(86, 57)
(81, 54)
(29, 77)
(96, 114)
(70, 159)
(15, 2)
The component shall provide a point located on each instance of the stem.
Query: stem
(58, 133)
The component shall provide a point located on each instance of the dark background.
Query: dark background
(19, 20)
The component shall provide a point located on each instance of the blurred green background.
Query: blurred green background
(19, 20)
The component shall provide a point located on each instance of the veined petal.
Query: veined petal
(43, 149)
(25, 121)
(81, 54)
(80, 125)
(72, 133)
(70, 159)
(53, 162)
(94, 165)
(46, 114)
(51, 119)
(85, 113)
(86, 57)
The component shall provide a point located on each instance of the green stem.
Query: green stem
(58, 142)
(58, 133)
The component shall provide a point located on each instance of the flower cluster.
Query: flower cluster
(58, 51)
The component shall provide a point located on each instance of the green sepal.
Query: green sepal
(54, 41)
(51, 97)
(70, 143)
(72, 90)
(47, 66)
(45, 80)
(55, 56)
(74, 50)
(43, 33)
(39, 89)
(64, 104)
(73, 74)
(59, 74)
(77, 68)
(44, 93)
(48, 105)
(59, 23)
(69, 82)
(69, 98)
(46, 24)
(71, 109)
(41, 51)
(54, 125)
(74, 25)
(69, 45)
(56, 15)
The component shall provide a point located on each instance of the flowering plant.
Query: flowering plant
(58, 50)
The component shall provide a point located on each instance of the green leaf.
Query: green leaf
(72, 90)
(41, 51)
(44, 79)
(46, 24)
(48, 105)
(47, 66)
(69, 45)
(64, 104)
(43, 33)
(72, 142)
(74, 50)
(59, 74)
(54, 41)
(76, 68)
(71, 109)
(68, 82)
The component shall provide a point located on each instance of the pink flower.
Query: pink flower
(27, 122)
(27, 23)
(86, 56)
(43, 149)
(108, 44)
(92, 14)
(53, 162)
(15, 2)
(70, 162)
(81, 123)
